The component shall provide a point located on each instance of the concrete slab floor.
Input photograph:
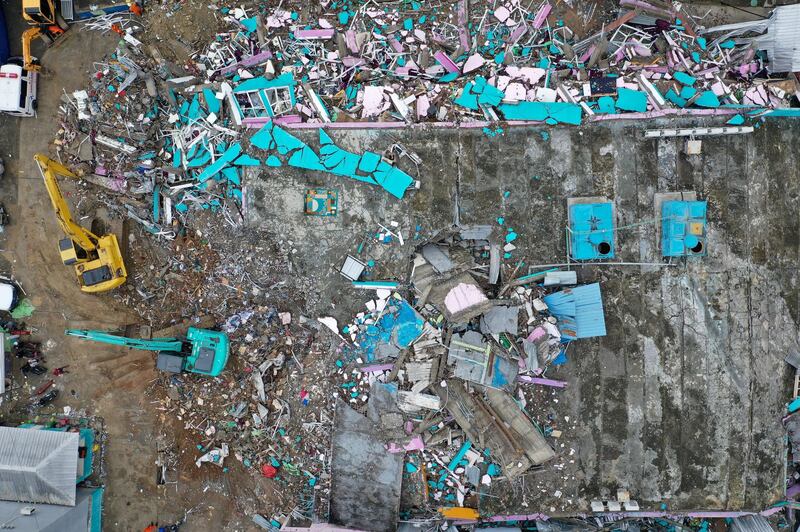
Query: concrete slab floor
(681, 402)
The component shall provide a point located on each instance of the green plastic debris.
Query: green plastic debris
(23, 310)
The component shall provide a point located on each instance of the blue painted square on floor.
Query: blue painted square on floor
(591, 231)
(683, 228)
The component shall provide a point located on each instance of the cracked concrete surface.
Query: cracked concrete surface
(681, 402)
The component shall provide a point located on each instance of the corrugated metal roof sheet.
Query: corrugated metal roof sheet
(782, 41)
(750, 523)
(580, 311)
(38, 465)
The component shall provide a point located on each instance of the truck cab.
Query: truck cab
(17, 89)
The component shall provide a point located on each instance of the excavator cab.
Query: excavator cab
(97, 260)
(42, 13)
(46, 23)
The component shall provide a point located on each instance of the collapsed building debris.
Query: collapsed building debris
(448, 375)
(441, 360)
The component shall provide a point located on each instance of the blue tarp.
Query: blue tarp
(399, 327)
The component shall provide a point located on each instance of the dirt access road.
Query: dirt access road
(107, 382)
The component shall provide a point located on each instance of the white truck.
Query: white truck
(17, 85)
(17, 89)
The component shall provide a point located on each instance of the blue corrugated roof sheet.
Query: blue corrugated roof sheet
(579, 311)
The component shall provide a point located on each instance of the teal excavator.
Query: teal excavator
(203, 351)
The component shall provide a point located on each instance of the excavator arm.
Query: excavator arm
(50, 170)
(27, 37)
(204, 352)
(154, 344)
(97, 260)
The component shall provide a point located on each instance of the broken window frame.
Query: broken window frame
(262, 103)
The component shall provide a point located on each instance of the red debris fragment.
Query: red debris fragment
(269, 471)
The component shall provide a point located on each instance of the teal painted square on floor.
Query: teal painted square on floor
(322, 202)
(683, 228)
(591, 231)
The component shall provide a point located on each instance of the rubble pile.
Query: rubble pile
(451, 391)
(508, 61)
(168, 137)
(271, 410)
(443, 368)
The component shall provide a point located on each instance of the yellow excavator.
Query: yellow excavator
(97, 260)
(46, 23)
